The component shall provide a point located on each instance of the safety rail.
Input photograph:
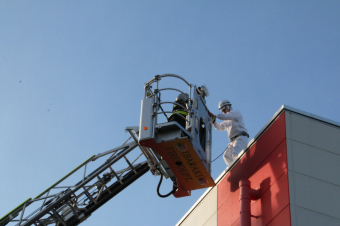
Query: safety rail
(157, 77)
(157, 95)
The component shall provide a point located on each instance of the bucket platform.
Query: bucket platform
(184, 154)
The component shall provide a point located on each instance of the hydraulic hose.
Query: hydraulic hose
(174, 187)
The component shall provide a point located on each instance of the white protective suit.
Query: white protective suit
(234, 124)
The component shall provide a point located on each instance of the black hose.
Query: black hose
(219, 155)
(174, 187)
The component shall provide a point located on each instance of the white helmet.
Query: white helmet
(182, 98)
(224, 104)
(203, 91)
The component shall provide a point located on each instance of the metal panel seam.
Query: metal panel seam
(271, 186)
(316, 147)
(291, 186)
(269, 156)
(318, 212)
(262, 195)
(279, 213)
(219, 179)
(259, 166)
(193, 207)
(318, 179)
(211, 217)
(311, 116)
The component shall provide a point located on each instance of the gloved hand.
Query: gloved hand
(211, 114)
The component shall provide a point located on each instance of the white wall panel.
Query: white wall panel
(310, 218)
(316, 195)
(205, 211)
(212, 221)
(315, 133)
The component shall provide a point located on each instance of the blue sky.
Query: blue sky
(72, 75)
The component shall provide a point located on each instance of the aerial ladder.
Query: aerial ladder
(165, 148)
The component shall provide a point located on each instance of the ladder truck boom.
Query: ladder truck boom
(72, 203)
(169, 149)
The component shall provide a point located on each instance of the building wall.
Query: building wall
(295, 163)
(265, 165)
(313, 171)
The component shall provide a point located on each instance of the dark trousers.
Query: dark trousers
(177, 118)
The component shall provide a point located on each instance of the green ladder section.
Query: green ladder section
(66, 176)
(14, 213)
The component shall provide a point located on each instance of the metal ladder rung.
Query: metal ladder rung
(89, 195)
(131, 166)
(115, 174)
(74, 209)
(100, 179)
(58, 217)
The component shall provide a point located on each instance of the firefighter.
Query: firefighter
(237, 132)
(181, 100)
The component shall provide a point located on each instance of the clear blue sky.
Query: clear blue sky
(72, 75)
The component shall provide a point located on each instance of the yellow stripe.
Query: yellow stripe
(180, 112)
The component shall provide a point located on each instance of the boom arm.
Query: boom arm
(72, 203)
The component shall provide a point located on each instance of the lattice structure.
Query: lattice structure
(70, 204)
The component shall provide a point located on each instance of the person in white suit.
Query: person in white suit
(237, 132)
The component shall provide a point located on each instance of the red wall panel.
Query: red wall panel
(272, 202)
(229, 212)
(271, 138)
(237, 223)
(282, 219)
(263, 165)
(271, 169)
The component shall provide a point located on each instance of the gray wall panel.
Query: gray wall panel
(313, 156)
(310, 218)
(316, 163)
(293, 216)
(288, 124)
(204, 212)
(317, 195)
(290, 154)
(315, 133)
